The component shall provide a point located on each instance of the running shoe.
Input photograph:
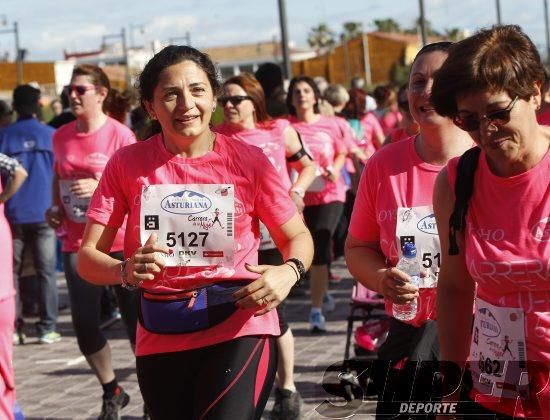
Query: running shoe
(110, 410)
(19, 338)
(317, 323)
(50, 338)
(329, 304)
(287, 405)
(109, 320)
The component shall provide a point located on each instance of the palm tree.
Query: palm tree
(454, 34)
(352, 29)
(387, 25)
(321, 37)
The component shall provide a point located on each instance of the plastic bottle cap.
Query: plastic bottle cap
(409, 250)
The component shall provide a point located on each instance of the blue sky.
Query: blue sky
(49, 26)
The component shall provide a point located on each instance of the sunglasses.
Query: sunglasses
(79, 89)
(496, 118)
(235, 100)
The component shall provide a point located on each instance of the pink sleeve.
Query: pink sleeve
(109, 205)
(340, 145)
(273, 203)
(347, 135)
(377, 126)
(364, 225)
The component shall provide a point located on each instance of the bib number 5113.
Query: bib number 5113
(190, 239)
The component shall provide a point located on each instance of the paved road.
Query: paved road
(55, 382)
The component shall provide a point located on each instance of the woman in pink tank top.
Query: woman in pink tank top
(497, 256)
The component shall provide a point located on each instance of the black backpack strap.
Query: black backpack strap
(300, 153)
(464, 188)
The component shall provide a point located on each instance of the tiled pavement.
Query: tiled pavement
(55, 382)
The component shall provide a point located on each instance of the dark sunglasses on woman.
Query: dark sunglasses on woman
(235, 100)
(79, 89)
(496, 118)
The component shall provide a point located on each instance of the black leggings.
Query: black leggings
(322, 221)
(86, 307)
(230, 380)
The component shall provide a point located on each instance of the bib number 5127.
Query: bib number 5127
(190, 239)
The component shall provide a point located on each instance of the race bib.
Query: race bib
(75, 207)
(195, 221)
(498, 352)
(417, 225)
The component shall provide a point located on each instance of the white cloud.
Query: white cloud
(61, 37)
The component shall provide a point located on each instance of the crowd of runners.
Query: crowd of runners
(201, 230)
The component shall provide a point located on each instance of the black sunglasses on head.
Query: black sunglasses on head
(496, 118)
(235, 100)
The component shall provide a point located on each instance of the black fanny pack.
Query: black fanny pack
(189, 310)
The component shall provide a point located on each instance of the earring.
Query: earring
(214, 108)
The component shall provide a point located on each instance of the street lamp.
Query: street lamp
(18, 51)
(284, 40)
(122, 36)
(133, 27)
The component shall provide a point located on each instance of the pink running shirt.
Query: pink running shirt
(323, 140)
(508, 256)
(84, 155)
(390, 120)
(269, 138)
(259, 194)
(394, 177)
(371, 129)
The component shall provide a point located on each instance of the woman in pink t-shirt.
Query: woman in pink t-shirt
(326, 196)
(408, 126)
(194, 200)
(246, 119)
(393, 207)
(82, 149)
(15, 175)
(498, 255)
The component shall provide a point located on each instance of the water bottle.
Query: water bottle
(408, 264)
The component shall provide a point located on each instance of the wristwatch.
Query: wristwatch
(299, 191)
(301, 269)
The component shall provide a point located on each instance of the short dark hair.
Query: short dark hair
(168, 56)
(26, 100)
(443, 46)
(502, 58)
(270, 76)
(310, 82)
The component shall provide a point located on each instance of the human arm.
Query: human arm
(98, 267)
(84, 187)
(367, 264)
(55, 214)
(455, 286)
(333, 173)
(294, 241)
(304, 166)
(16, 176)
